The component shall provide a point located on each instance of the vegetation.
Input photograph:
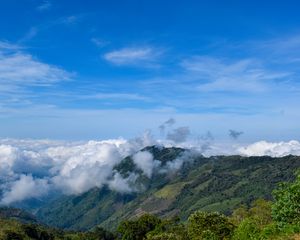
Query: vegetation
(262, 220)
(286, 209)
(215, 184)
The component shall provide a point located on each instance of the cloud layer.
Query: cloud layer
(33, 169)
(278, 149)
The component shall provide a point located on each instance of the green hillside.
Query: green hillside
(210, 184)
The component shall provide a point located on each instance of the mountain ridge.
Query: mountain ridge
(218, 183)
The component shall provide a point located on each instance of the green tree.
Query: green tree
(137, 229)
(247, 230)
(286, 207)
(202, 224)
(169, 229)
(261, 212)
(239, 214)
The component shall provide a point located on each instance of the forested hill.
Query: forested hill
(211, 184)
(17, 214)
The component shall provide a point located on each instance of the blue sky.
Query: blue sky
(103, 69)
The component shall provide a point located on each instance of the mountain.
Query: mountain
(17, 214)
(218, 183)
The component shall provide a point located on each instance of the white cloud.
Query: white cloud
(20, 71)
(273, 149)
(142, 56)
(123, 185)
(34, 168)
(23, 70)
(30, 169)
(8, 155)
(144, 160)
(8, 46)
(247, 75)
(25, 188)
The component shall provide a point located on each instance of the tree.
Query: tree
(137, 229)
(286, 207)
(203, 224)
(169, 229)
(239, 215)
(247, 230)
(102, 234)
(261, 212)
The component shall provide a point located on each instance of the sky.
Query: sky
(79, 70)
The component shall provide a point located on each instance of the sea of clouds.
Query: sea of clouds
(33, 169)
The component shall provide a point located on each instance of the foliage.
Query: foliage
(248, 229)
(203, 224)
(169, 228)
(230, 184)
(286, 208)
(209, 184)
(260, 212)
(239, 214)
(137, 229)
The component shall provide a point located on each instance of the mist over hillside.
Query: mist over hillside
(216, 183)
(34, 170)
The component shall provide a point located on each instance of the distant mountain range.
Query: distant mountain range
(184, 182)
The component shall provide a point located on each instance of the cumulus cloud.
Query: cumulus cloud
(30, 169)
(25, 187)
(37, 168)
(272, 149)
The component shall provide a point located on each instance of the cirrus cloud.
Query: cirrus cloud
(142, 56)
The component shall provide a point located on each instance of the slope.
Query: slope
(212, 184)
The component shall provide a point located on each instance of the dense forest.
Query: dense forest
(277, 219)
